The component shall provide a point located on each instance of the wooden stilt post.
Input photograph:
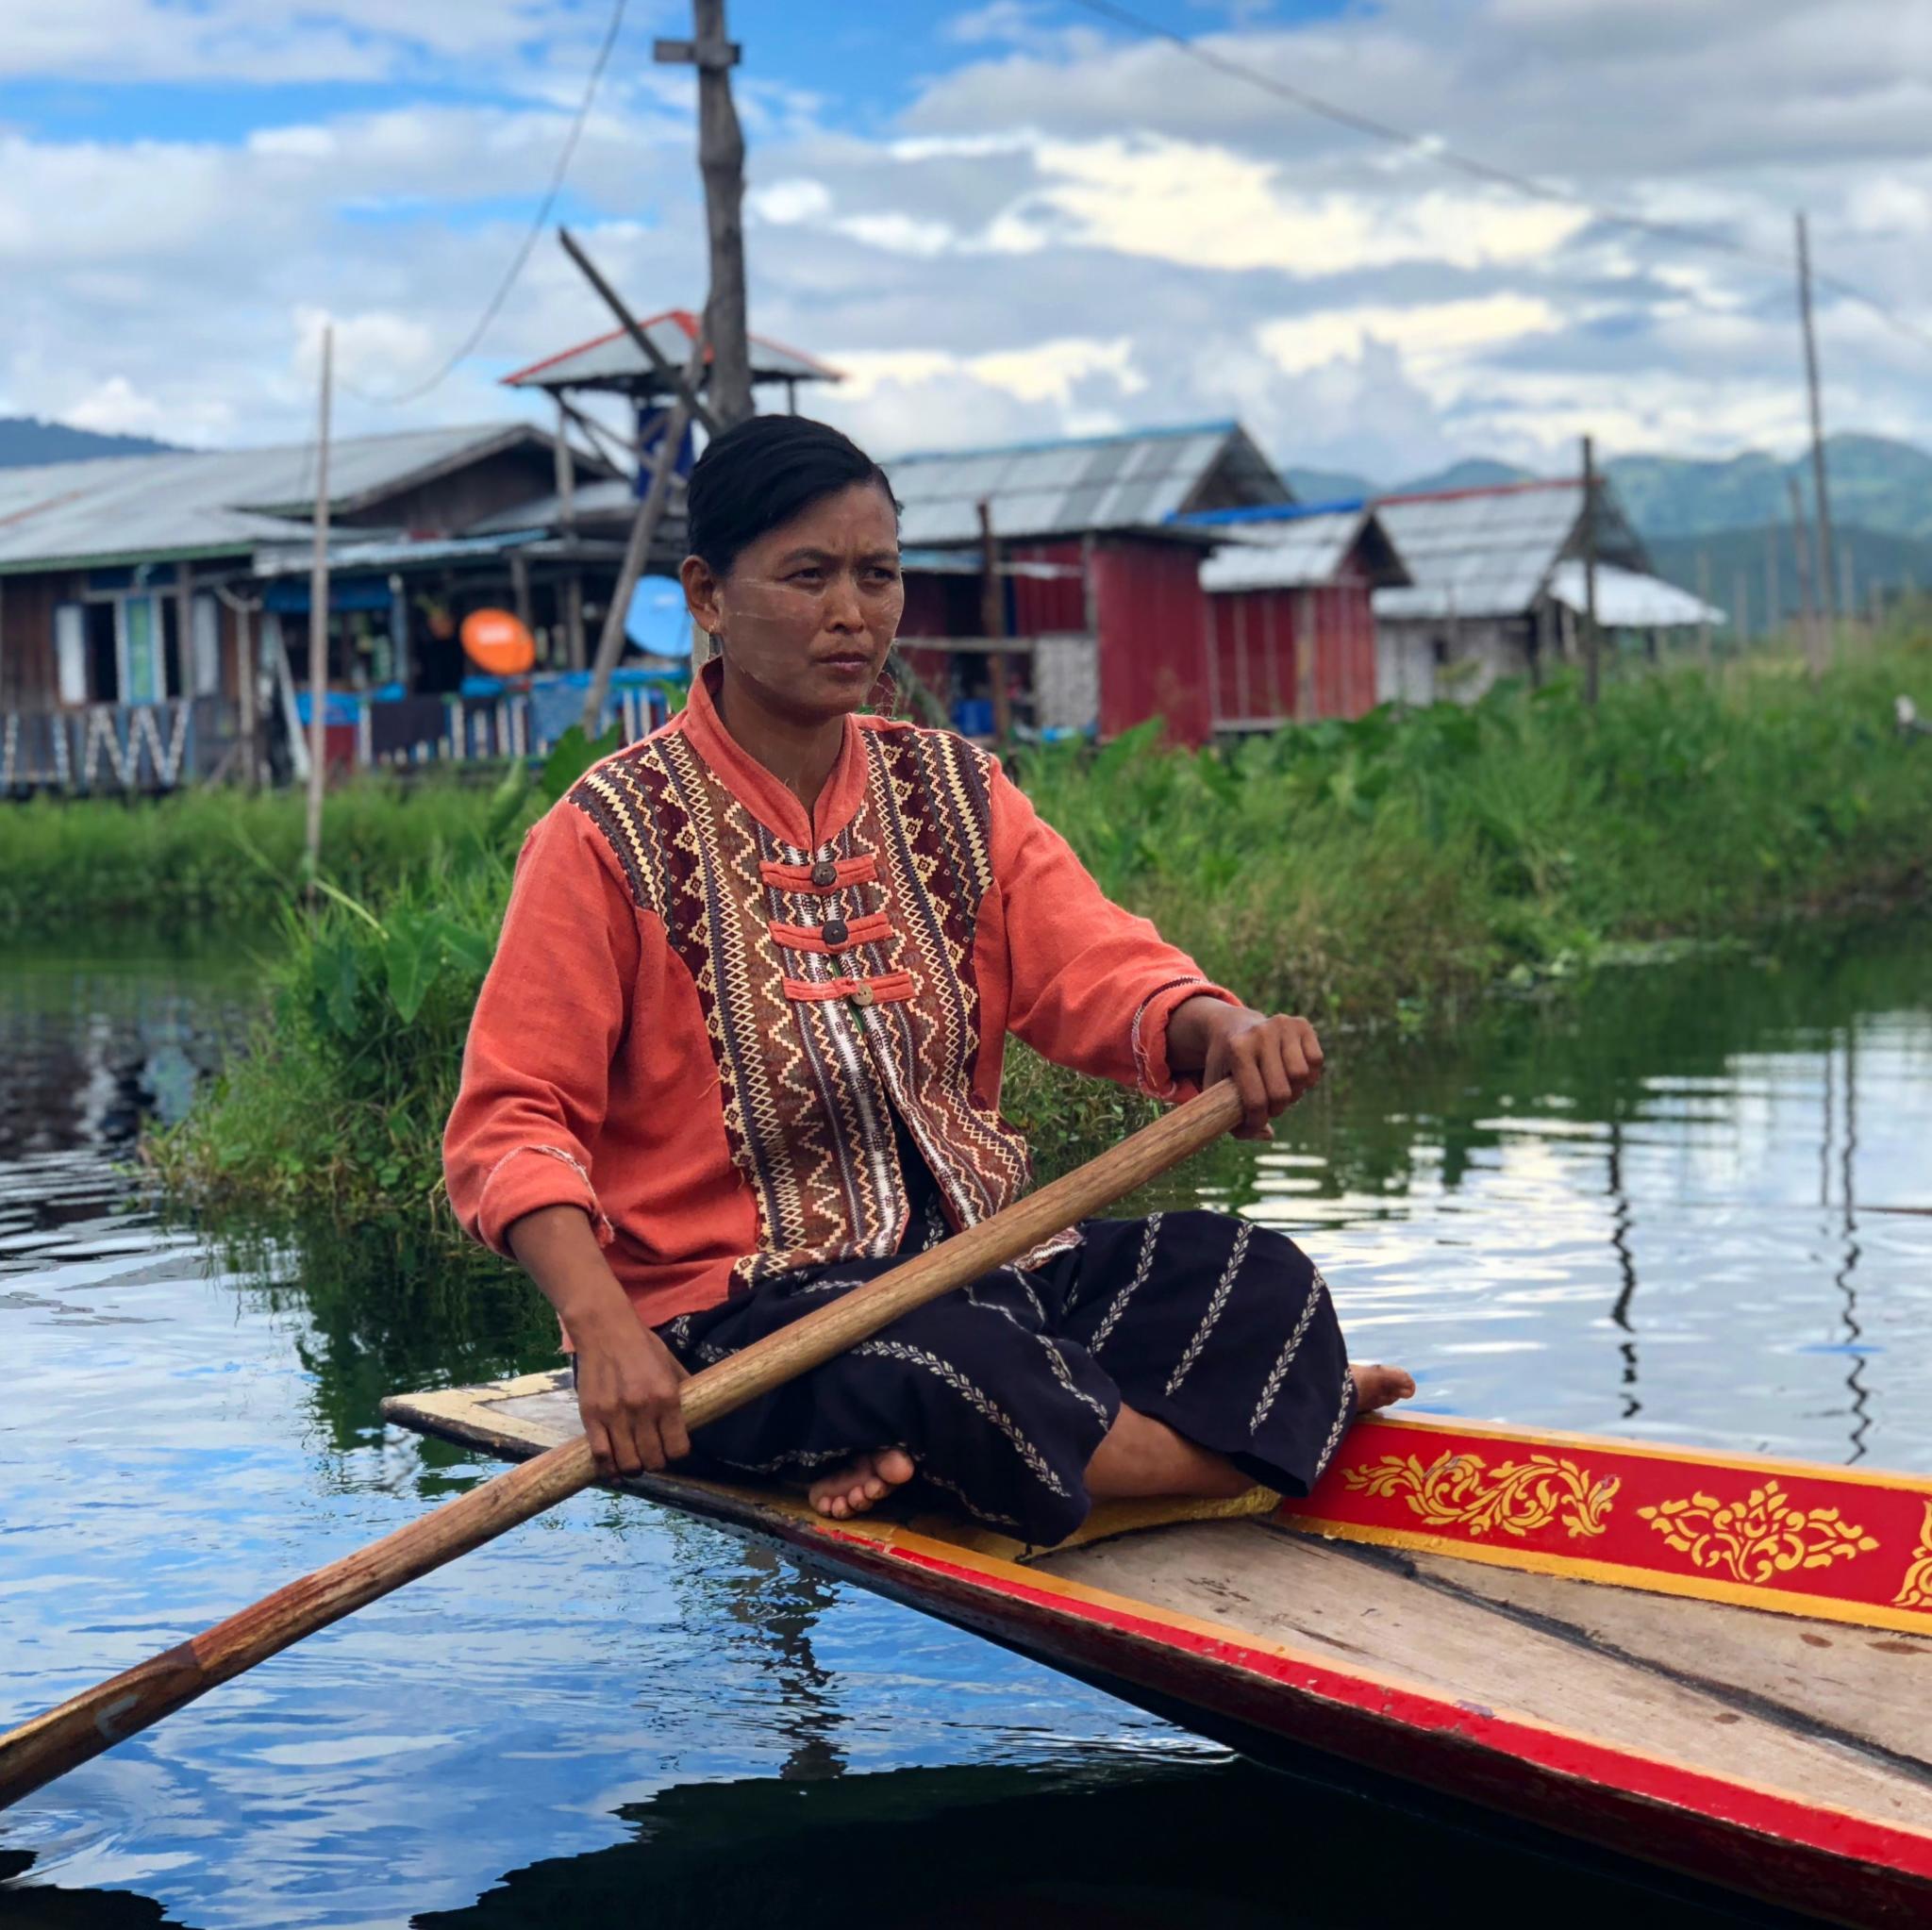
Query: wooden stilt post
(993, 620)
(1592, 636)
(317, 622)
(248, 690)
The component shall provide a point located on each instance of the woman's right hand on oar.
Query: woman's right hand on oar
(628, 1381)
(627, 1384)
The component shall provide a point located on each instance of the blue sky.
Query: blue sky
(1001, 218)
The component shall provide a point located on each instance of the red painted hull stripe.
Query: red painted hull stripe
(1836, 1832)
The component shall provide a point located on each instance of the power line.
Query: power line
(538, 222)
(1430, 149)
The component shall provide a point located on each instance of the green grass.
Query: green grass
(197, 857)
(1375, 871)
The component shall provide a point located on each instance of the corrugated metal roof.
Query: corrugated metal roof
(1285, 555)
(1629, 600)
(209, 503)
(613, 499)
(938, 562)
(614, 360)
(1068, 488)
(1487, 553)
(387, 553)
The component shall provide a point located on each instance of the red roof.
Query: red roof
(1514, 488)
(686, 323)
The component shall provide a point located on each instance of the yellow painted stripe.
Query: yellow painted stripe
(1619, 1575)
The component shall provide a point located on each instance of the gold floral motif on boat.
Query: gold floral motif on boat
(1518, 1497)
(1758, 1539)
(1917, 1591)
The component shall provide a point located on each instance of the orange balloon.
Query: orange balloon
(497, 644)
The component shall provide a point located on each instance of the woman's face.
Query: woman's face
(808, 610)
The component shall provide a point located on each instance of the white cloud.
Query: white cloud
(788, 201)
(1430, 336)
(1064, 232)
(117, 407)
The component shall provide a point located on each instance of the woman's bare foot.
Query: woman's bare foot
(1376, 1386)
(866, 1479)
(1142, 1456)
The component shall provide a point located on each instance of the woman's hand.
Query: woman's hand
(1273, 1061)
(628, 1394)
(628, 1381)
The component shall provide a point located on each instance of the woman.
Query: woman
(742, 1042)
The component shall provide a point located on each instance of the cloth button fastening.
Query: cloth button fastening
(825, 877)
(836, 931)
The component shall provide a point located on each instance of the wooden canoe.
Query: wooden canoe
(1717, 1665)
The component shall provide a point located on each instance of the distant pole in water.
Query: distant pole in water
(1809, 623)
(318, 618)
(1826, 577)
(992, 616)
(1592, 637)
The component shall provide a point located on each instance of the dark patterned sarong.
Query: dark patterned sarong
(1002, 1389)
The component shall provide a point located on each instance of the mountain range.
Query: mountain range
(26, 440)
(1876, 484)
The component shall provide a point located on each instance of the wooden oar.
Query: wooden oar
(94, 1721)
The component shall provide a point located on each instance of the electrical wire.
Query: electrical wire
(538, 222)
(1428, 148)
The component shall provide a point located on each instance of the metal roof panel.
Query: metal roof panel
(206, 502)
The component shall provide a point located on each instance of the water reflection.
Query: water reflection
(1654, 1209)
(1647, 1211)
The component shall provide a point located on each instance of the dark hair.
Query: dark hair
(762, 473)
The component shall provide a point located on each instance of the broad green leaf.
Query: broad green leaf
(472, 950)
(411, 957)
(338, 973)
(507, 803)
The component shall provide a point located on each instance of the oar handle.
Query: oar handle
(81, 1728)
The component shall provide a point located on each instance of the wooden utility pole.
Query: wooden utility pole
(1741, 608)
(720, 161)
(566, 473)
(993, 620)
(1810, 622)
(1704, 597)
(1592, 637)
(1826, 574)
(643, 532)
(318, 618)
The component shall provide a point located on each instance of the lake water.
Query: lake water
(1653, 1208)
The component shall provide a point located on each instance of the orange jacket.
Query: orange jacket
(706, 1007)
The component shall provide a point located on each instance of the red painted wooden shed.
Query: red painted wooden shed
(1291, 623)
(1099, 557)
